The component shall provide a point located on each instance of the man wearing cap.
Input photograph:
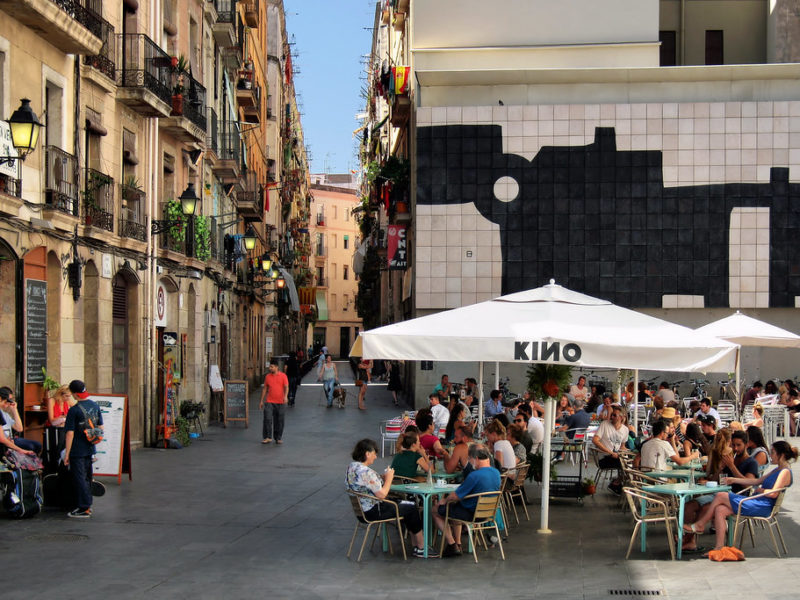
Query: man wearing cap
(708, 425)
(274, 396)
(79, 450)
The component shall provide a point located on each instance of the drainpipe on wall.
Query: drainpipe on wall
(683, 32)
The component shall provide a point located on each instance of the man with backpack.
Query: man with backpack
(83, 430)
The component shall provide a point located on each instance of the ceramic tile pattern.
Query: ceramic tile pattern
(689, 149)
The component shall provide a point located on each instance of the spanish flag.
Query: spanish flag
(401, 75)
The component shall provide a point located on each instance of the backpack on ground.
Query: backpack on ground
(23, 497)
(93, 434)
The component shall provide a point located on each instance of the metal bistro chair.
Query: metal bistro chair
(484, 518)
(514, 487)
(390, 431)
(361, 519)
(727, 412)
(770, 521)
(649, 508)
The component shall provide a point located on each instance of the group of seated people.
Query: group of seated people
(480, 477)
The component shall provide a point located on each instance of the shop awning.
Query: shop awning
(322, 306)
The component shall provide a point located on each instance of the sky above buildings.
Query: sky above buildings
(330, 41)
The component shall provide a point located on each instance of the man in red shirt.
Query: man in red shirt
(276, 394)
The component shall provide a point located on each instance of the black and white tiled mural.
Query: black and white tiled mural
(645, 205)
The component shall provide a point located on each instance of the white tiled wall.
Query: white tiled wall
(748, 261)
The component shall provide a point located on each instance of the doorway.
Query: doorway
(344, 341)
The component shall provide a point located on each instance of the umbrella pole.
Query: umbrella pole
(544, 526)
(737, 385)
(636, 402)
(497, 375)
(619, 389)
(480, 397)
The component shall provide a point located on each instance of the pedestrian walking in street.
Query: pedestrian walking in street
(329, 376)
(364, 375)
(274, 397)
(79, 449)
(292, 369)
(395, 385)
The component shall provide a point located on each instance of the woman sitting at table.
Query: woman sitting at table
(693, 439)
(563, 410)
(727, 503)
(398, 446)
(427, 439)
(412, 457)
(758, 417)
(501, 448)
(455, 421)
(58, 405)
(756, 446)
(515, 434)
(364, 480)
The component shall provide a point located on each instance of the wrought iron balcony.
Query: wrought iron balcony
(249, 203)
(98, 200)
(132, 223)
(212, 131)
(174, 238)
(10, 186)
(77, 33)
(194, 106)
(144, 76)
(230, 151)
(61, 187)
(104, 61)
(251, 13)
(223, 29)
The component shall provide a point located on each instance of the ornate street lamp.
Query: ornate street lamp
(250, 239)
(25, 126)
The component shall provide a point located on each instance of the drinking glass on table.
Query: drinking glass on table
(723, 479)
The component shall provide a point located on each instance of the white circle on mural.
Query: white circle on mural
(506, 189)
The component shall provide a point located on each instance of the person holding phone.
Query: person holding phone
(12, 422)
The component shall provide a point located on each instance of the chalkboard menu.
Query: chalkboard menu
(236, 401)
(35, 330)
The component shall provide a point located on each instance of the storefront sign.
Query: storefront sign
(398, 249)
(35, 330)
(160, 319)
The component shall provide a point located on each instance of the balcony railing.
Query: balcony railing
(320, 249)
(85, 12)
(212, 131)
(217, 240)
(10, 186)
(104, 61)
(321, 219)
(194, 106)
(230, 144)
(61, 187)
(144, 65)
(226, 11)
(174, 238)
(98, 200)
(132, 223)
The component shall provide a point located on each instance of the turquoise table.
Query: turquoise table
(444, 475)
(425, 491)
(682, 491)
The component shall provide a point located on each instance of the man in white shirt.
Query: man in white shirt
(666, 394)
(705, 409)
(610, 438)
(439, 413)
(579, 391)
(660, 447)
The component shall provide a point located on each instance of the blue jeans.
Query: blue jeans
(328, 385)
(29, 445)
(81, 469)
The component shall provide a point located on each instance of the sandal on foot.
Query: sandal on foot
(691, 528)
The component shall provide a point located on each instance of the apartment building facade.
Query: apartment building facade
(145, 104)
(642, 152)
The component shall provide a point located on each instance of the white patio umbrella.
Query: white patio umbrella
(550, 324)
(747, 331)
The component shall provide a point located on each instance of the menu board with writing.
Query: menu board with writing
(114, 452)
(236, 401)
(35, 330)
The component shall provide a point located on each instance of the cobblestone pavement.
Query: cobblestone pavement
(231, 518)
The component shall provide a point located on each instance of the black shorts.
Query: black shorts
(609, 462)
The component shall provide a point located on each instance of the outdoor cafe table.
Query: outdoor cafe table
(425, 491)
(682, 491)
(682, 474)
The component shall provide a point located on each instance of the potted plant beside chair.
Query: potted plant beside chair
(589, 487)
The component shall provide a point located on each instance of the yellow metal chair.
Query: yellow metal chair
(484, 518)
(770, 522)
(361, 519)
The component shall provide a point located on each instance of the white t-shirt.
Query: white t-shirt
(655, 453)
(8, 421)
(440, 416)
(579, 393)
(536, 431)
(666, 395)
(509, 460)
(611, 437)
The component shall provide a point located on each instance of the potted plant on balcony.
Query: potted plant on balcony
(202, 238)
(177, 231)
(179, 68)
(131, 190)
